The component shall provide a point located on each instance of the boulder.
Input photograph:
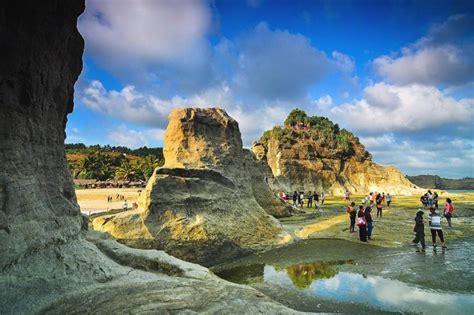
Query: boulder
(201, 205)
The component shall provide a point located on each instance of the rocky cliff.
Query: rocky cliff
(312, 153)
(49, 263)
(201, 206)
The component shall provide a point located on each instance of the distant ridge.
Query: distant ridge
(436, 182)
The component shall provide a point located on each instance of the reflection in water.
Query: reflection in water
(304, 274)
(322, 280)
(379, 292)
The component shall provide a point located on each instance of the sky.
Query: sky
(398, 74)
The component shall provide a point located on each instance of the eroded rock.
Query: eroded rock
(312, 153)
(200, 206)
(46, 263)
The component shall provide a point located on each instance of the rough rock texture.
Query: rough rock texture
(200, 206)
(261, 178)
(325, 159)
(46, 262)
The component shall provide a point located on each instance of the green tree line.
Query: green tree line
(109, 163)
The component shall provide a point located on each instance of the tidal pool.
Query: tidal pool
(402, 280)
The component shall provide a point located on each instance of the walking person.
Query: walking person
(419, 230)
(352, 216)
(435, 227)
(435, 199)
(448, 211)
(316, 200)
(389, 200)
(310, 200)
(362, 224)
(301, 199)
(430, 198)
(295, 197)
(379, 205)
(370, 222)
(323, 196)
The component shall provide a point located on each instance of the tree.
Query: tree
(296, 116)
(125, 171)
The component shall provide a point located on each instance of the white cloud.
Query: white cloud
(414, 107)
(444, 56)
(129, 104)
(124, 136)
(278, 64)
(343, 61)
(447, 157)
(323, 103)
(150, 39)
(433, 65)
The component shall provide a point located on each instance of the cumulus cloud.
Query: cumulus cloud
(128, 104)
(278, 64)
(155, 39)
(343, 61)
(434, 65)
(447, 157)
(143, 109)
(131, 138)
(444, 56)
(386, 108)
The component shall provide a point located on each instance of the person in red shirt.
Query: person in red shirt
(448, 211)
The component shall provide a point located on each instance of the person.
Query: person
(295, 197)
(379, 205)
(419, 230)
(430, 198)
(370, 222)
(301, 199)
(316, 199)
(435, 227)
(362, 224)
(448, 211)
(389, 200)
(125, 205)
(310, 200)
(371, 199)
(323, 196)
(383, 197)
(423, 200)
(435, 199)
(352, 216)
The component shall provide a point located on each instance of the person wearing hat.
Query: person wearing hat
(419, 229)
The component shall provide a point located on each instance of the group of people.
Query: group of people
(429, 200)
(117, 197)
(434, 223)
(298, 198)
(361, 217)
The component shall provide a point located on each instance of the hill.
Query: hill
(312, 152)
(436, 182)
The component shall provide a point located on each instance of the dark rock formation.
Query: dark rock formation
(46, 262)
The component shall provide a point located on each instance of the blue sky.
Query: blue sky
(399, 74)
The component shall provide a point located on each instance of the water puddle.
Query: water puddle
(324, 280)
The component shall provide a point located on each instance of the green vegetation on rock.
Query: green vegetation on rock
(321, 131)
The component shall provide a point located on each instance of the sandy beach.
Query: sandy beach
(95, 200)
